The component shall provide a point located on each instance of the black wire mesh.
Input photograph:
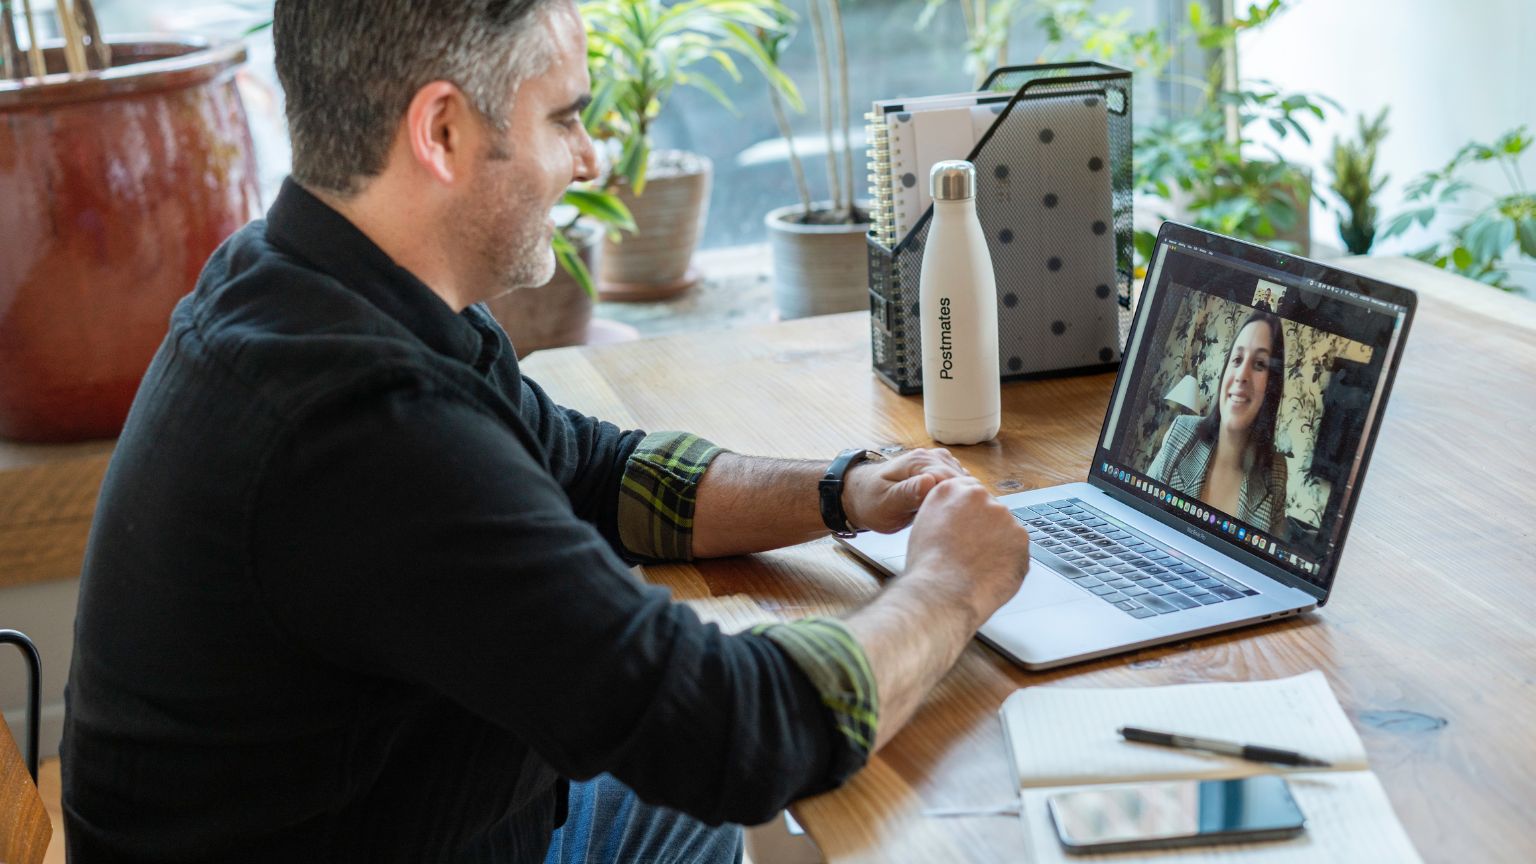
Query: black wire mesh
(1056, 160)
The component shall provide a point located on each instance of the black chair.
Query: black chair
(25, 828)
(34, 692)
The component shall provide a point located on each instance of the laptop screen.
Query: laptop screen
(1253, 385)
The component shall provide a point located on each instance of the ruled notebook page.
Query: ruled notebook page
(1062, 736)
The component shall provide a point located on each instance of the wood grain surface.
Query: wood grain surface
(24, 824)
(1429, 639)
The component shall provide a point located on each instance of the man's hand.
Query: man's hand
(883, 496)
(966, 557)
(969, 545)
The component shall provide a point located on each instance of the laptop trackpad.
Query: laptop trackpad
(1042, 587)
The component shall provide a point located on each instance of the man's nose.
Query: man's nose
(586, 160)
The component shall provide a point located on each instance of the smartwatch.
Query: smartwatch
(830, 489)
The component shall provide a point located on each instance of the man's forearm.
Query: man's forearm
(751, 504)
(912, 634)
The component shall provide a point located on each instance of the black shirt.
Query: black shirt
(354, 592)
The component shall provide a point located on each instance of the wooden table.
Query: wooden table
(1429, 639)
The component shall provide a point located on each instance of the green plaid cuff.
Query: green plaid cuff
(829, 655)
(658, 493)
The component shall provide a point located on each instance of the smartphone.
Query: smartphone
(1179, 813)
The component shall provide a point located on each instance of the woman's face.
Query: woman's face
(1247, 373)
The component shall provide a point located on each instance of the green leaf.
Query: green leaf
(1144, 241)
(1526, 231)
(632, 163)
(1462, 258)
(699, 82)
(1399, 224)
(603, 96)
(1301, 130)
(1488, 236)
(570, 261)
(1452, 189)
(605, 207)
(1514, 142)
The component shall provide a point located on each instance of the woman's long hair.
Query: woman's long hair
(1261, 435)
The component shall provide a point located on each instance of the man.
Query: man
(357, 591)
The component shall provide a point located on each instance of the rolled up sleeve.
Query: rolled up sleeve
(829, 655)
(658, 493)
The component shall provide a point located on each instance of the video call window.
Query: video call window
(1250, 396)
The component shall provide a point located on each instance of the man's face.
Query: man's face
(522, 174)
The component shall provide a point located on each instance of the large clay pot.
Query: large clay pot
(557, 313)
(820, 265)
(654, 262)
(115, 186)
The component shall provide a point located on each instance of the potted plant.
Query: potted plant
(1206, 164)
(559, 312)
(1491, 240)
(1356, 185)
(640, 52)
(112, 150)
(820, 260)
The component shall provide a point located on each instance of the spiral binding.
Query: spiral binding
(882, 217)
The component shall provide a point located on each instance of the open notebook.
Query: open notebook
(1061, 738)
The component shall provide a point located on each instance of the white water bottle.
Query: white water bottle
(957, 299)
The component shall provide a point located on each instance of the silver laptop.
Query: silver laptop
(1231, 458)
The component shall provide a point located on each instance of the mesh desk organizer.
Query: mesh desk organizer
(1054, 199)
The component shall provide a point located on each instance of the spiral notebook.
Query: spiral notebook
(906, 138)
(1061, 737)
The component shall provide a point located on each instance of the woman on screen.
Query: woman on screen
(1227, 458)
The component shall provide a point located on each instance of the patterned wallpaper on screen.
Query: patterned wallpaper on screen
(1198, 336)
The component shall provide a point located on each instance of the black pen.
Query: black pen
(1251, 752)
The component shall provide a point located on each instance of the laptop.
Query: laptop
(1237, 355)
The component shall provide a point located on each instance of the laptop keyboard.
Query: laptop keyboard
(1118, 564)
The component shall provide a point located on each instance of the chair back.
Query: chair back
(24, 826)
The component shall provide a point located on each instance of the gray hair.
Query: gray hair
(350, 68)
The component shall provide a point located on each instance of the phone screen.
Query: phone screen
(1179, 813)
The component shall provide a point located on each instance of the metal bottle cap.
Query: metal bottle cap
(952, 180)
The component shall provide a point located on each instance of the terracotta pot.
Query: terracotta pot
(557, 313)
(818, 269)
(653, 263)
(115, 186)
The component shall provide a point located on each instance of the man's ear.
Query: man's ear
(440, 131)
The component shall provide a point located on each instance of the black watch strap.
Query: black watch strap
(830, 489)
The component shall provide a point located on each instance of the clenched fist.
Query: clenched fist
(884, 496)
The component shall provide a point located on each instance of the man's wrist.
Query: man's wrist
(833, 487)
(945, 591)
(851, 498)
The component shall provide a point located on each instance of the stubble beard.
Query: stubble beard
(530, 260)
(514, 236)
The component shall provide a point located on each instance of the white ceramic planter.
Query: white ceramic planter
(818, 269)
(653, 263)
